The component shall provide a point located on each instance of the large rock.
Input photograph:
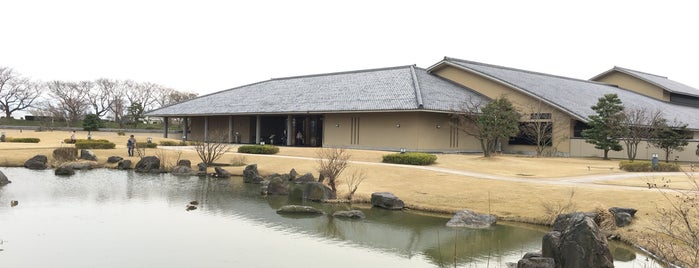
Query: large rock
(295, 209)
(124, 164)
(201, 169)
(64, 170)
(37, 162)
(114, 159)
(308, 177)
(577, 242)
(185, 163)
(82, 165)
(86, 154)
(278, 185)
(293, 174)
(630, 211)
(3, 179)
(349, 214)
(622, 216)
(148, 164)
(250, 174)
(221, 173)
(182, 171)
(386, 200)
(470, 219)
(313, 191)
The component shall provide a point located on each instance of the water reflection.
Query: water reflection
(110, 218)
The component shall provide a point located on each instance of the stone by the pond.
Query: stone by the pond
(222, 173)
(181, 171)
(201, 167)
(622, 219)
(470, 219)
(293, 174)
(350, 214)
(80, 165)
(576, 242)
(313, 191)
(148, 164)
(184, 163)
(536, 262)
(114, 159)
(37, 162)
(386, 200)
(308, 177)
(86, 154)
(630, 211)
(3, 179)
(64, 170)
(278, 185)
(296, 209)
(124, 164)
(250, 174)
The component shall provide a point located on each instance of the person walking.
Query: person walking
(131, 144)
(72, 137)
(299, 138)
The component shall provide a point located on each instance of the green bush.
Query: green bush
(65, 154)
(410, 158)
(172, 143)
(24, 140)
(647, 166)
(94, 144)
(258, 149)
(146, 145)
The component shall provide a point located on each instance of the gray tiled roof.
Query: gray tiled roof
(573, 95)
(660, 81)
(387, 89)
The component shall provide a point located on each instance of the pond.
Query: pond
(111, 218)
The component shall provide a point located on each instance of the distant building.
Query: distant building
(407, 107)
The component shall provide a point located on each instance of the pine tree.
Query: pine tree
(604, 131)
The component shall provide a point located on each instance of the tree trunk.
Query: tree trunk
(606, 154)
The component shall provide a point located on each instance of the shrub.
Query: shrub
(65, 154)
(170, 143)
(647, 166)
(24, 140)
(410, 158)
(121, 133)
(146, 145)
(94, 144)
(258, 149)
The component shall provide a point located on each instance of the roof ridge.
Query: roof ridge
(525, 71)
(627, 69)
(343, 72)
(416, 86)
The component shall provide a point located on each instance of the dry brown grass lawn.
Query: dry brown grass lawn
(425, 189)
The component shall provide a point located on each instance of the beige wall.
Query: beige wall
(525, 104)
(220, 125)
(417, 132)
(582, 149)
(634, 84)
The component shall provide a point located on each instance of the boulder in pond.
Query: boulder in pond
(308, 177)
(3, 179)
(124, 164)
(37, 162)
(386, 200)
(293, 174)
(64, 170)
(221, 173)
(535, 260)
(250, 174)
(296, 209)
(313, 191)
(86, 154)
(114, 159)
(576, 241)
(148, 164)
(470, 219)
(181, 171)
(278, 185)
(185, 163)
(349, 214)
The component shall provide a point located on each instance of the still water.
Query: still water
(110, 218)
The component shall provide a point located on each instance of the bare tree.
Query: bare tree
(16, 93)
(212, 149)
(142, 93)
(101, 96)
(332, 162)
(637, 125)
(71, 99)
(353, 182)
(118, 103)
(539, 129)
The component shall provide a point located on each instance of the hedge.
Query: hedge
(647, 166)
(146, 145)
(173, 143)
(258, 149)
(410, 158)
(94, 144)
(23, 140)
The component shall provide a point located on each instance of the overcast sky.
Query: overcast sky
(206, 46)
